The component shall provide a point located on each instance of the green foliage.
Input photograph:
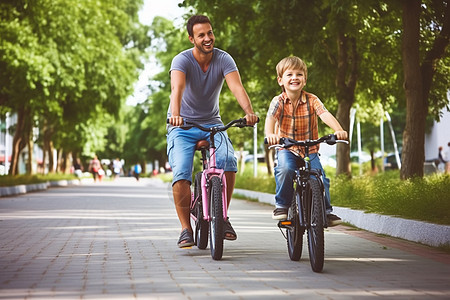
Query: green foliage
(263, 183)
(72, 64)
(32, 179)
(424, 199)
(311, 29)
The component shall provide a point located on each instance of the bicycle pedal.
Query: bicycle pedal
(285, 223)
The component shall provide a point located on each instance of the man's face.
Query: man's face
(203, 38)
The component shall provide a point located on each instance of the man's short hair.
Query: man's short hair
(198, 19)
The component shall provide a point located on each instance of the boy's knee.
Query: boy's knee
(284, 171)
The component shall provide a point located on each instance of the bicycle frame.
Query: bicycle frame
(210, 168)
(308, 211)
(303, 175)
(208, 172)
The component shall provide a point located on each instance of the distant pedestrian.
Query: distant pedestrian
(447, 157)
(117, 168)
(77, 168)
(95, 167)
(137, 171)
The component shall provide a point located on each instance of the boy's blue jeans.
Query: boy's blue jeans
(284, 178)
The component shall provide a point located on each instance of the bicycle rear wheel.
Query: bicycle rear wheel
(315, 228)
(216, 214)
(295, 233)
(201, 225)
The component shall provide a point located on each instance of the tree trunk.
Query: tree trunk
(63, 164)
(418, 80)
(269, 154)
(413, 153)
(17, 139)
(343, 165)
(346, 78)
(48, 148)
(30, 154)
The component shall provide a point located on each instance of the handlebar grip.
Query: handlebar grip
(266, 141)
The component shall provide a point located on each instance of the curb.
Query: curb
(27, 188)
(411, 230)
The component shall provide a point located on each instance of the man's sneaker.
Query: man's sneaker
(333, 220)
(280, 214)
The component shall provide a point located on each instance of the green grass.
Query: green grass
(32, 179)
(424, 199)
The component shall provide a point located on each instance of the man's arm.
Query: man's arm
(178, 84)
(331, 121)
(235, 84)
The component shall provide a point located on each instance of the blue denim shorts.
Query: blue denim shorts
(181, 149)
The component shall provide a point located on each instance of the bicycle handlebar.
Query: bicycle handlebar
(330, 139)
(242, 122)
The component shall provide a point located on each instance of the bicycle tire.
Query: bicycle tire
(216, 214)
(201, 225)
(294, 235)
(316, 226)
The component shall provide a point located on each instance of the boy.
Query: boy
(293, 114)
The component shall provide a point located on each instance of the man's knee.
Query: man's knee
(181, 192)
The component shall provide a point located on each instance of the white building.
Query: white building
(438, 137)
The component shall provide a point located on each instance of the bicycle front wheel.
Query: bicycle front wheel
(216, 214)
(201, 225)
(295, 233)
(315, 226)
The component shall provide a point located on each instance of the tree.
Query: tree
(353, 51)
(67, 63)
(331, 44)
(146, 141)
(418, 76)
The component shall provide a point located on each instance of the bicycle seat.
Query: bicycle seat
(202, 144)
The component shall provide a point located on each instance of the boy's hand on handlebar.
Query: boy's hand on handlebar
(176, 121)
(341, 135)
(252, 119)
(272, 139)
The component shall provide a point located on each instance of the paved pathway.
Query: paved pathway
(117, 240)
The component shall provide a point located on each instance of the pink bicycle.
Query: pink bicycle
(209, 196)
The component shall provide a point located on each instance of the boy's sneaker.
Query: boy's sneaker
(333, 220)
(280, 214)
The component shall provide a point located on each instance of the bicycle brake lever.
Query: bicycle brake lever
(331, 140)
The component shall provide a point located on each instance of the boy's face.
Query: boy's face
(292, 80)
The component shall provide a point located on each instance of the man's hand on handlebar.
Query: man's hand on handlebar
(175, 121)
(252, 119)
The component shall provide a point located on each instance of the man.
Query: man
(197, 77)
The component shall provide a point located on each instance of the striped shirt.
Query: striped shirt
(299, 123)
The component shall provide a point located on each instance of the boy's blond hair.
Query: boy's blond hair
(293, 63)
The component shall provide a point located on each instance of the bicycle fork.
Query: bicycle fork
(207, 174)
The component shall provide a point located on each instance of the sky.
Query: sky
(165, 8)
(151, 8)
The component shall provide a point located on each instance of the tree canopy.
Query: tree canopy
(66, 68)
(65, 65)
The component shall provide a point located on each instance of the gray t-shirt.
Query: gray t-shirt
(200, 101)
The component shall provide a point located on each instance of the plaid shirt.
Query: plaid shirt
(299, 123)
